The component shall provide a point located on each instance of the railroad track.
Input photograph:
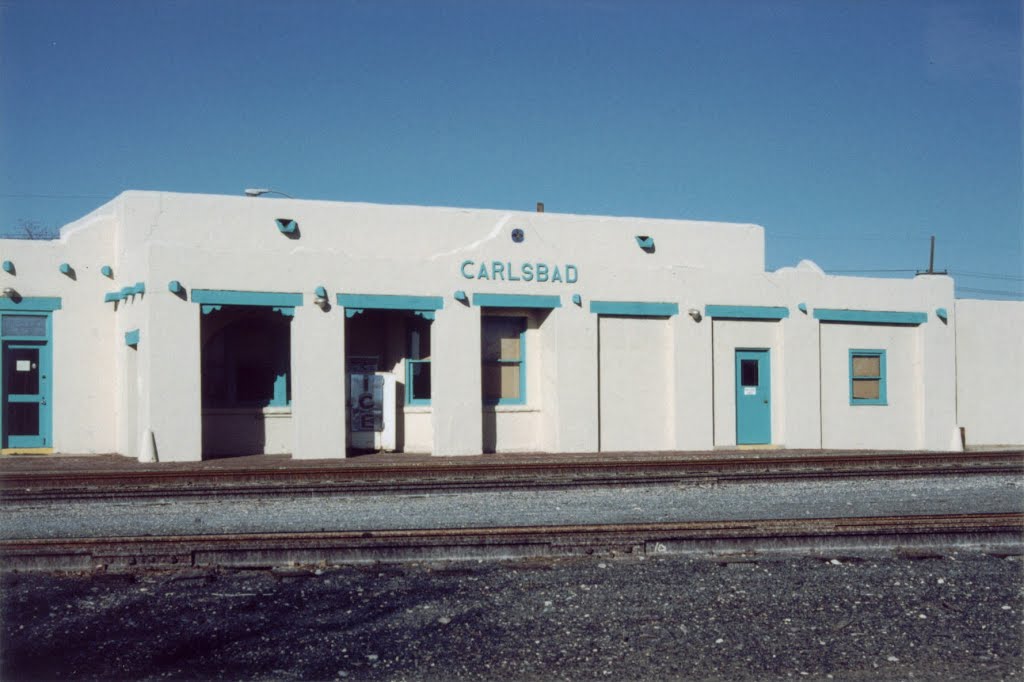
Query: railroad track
(725, 540)
(375, 479)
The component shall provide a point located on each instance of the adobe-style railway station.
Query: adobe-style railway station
(181, 326)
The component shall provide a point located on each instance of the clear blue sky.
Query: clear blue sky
(851, 130)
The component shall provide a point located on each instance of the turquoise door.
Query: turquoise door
(753, 398)
(26, 395)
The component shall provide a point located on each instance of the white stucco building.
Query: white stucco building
(203, 325)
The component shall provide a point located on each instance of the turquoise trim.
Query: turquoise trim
(65, 268)
(34, 303)
(802, 307)
(883, 397)
(746, 312)
(174, 286)
(286, 225)
(320, 292)
(112, 297)
(107, 271)
(644, 242)
(942, 314)
(517, 301)
(577, 299)
(409, 369)
(870, 316)
(390, 302)
(131, 338)
(221, 297)
(460, 295)
(44, 396)
(8, 266)
(634, 308)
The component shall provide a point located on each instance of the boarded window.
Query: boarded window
(501, 350)
(867, 377)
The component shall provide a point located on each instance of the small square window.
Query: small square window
(867, 377)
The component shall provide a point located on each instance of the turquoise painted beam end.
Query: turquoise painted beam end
(802, 307)
(460, 295)
(321, 292)
(577, 299)
(287, 225)
(645, 242)
(8, 267)
(107, 271)
(174, 286)
(66, 268)
(942, 314)
(131, 338)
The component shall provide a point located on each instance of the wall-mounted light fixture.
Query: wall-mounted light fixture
(320, 299)
(695, 314)
(10, 293)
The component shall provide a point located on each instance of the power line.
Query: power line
(987, 275)
(992, 292)
(876, 270)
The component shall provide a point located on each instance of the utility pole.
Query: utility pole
(931, 262)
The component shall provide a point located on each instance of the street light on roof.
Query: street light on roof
(260, 191)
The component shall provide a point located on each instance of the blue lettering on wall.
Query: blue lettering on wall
(507, 271)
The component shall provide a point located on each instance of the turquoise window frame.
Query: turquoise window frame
(883, 398)
(410, 364)
(521, 400)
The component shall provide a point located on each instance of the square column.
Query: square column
(171, 380)
(318, 383)
(455, 377)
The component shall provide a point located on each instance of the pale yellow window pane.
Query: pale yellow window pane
(867, 366)
(501, 382)
(510, 348)
(510, 382)
(866, 389)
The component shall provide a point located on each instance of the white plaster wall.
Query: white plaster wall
(570, 367)
(636, 384)
(232, 432)
(897, 425)
(728, 336)
(419, 429)
(215, 242)
(318, 405)
(455, 381)
(990, 371)
(85, 376)
(693, 383)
